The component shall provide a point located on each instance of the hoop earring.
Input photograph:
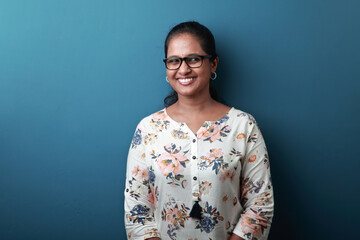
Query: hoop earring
(213, 77)
(167, 79)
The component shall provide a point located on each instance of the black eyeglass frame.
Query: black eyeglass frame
(185, 59)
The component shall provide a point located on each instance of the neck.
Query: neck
(186, 104)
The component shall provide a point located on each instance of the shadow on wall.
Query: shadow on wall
(288, 217)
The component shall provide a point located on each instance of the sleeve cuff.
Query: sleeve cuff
(151, 233)
(251, 226)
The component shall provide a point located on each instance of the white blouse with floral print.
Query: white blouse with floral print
(224, 166)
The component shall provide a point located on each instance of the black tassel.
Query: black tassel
(196, 211)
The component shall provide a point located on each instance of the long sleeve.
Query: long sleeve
(139, 197)
(256, 189)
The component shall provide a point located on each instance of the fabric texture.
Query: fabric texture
(224, 166)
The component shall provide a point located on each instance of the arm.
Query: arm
(139, 207)
(235, 237)
(256, 189)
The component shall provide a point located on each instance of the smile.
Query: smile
(185, 80)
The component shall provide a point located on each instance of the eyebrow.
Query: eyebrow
(191, 54)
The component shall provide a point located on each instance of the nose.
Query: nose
(184, 68)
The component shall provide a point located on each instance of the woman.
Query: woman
(197, 169)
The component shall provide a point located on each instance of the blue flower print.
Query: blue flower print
(223, 119)
(151, 175)
(140, 209)
(210, 218)
(206, 224)
(139, 214)
(136, 139)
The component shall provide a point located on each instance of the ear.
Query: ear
(214, 64)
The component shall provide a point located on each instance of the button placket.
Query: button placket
(194, 168)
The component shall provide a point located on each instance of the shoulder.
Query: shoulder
(147, 126)
(238, 115)
(156, 116)
(155, 122)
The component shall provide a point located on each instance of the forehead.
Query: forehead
(184, 44)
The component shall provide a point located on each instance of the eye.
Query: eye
(173, 61)
(193, 59)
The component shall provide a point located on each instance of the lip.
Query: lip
(185, 81)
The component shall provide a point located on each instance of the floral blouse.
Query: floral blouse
(224, 167)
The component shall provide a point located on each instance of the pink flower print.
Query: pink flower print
(214, 153)
(209, 133)
(136, 170)
(227, 174)
(159, 122)
(171, 164)
(172, 215)
(155, 193)
(151, 198)
(144, 173)
(252, 223)
(159, 115)
(177, 215)
(215, 159)
(172, 161)
(222, 177)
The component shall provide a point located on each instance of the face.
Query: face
(186, 81)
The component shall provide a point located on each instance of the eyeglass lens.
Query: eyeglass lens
(191, 61)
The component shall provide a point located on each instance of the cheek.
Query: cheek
(208, 69)
(206, 73)
(170, 74)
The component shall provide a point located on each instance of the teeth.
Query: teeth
(185, 80)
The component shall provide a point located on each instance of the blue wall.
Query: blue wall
(76, 76)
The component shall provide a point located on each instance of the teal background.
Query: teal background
(77, 76)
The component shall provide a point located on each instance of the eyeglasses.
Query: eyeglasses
(193, 61)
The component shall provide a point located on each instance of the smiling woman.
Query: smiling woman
(189, 174)
(207, 42)
(190, 79)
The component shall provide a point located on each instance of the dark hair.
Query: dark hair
(207, 43)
